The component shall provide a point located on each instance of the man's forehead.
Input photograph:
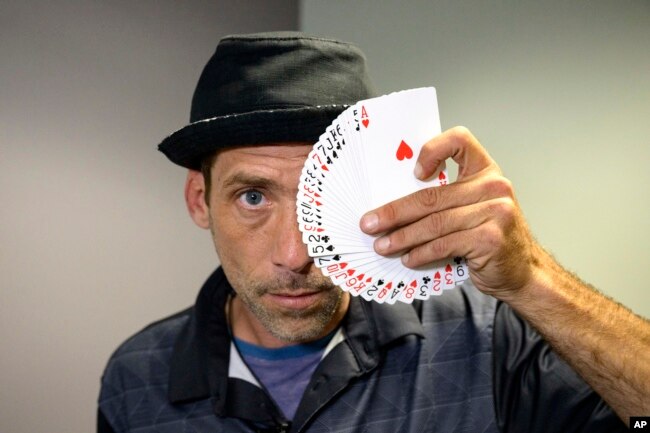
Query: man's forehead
(291, 150)
(269, 161)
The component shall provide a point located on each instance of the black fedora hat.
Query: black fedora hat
(268, 88)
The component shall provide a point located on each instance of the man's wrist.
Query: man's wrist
(538, 277)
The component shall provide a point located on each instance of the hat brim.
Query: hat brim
(187, 146)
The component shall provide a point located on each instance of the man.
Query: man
(272, 345)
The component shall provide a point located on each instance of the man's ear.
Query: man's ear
(195, 199)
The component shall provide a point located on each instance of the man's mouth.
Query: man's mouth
(295, 299)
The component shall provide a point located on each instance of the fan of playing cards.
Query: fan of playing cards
(363, 160)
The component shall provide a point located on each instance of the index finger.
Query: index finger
(459, 144)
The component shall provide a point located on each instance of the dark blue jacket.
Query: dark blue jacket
(461, 362)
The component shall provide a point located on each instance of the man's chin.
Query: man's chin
(300, 318)
(299, 332)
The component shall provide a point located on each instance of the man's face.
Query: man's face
(281, 296)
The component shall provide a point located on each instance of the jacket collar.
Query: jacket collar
(200, 358)
(370, 327)
(199, 361)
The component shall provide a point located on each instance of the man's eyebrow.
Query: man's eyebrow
(245, 179)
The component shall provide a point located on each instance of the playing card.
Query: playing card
(393, 130)
(363, 160)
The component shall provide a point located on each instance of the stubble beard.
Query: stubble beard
(293, 326)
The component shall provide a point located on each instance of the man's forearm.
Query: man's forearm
(607, 344)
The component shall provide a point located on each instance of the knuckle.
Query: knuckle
(502, 206)
(433, 224)
(462, 133)
(428, 252)
(492, 236)
(504, 210)
(437, 249)
(389, 213)
(502, 187)
(398, 239)
(428, 198)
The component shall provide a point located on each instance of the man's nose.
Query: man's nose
(289, 251)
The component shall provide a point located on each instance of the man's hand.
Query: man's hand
(477, 217)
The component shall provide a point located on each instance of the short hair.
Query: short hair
(206, 170)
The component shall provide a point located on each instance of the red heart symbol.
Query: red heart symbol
(404, 151)
(365, 122)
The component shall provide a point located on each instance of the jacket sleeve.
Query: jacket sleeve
(102, 423)
(536, 391)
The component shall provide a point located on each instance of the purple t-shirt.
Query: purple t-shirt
(284, 372)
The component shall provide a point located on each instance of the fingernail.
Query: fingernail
(417, 171)
(382, 244)
(405, 259)
(369, 222)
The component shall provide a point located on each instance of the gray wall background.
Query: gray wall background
(94, 238)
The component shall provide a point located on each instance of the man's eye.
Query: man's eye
(252, 197)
